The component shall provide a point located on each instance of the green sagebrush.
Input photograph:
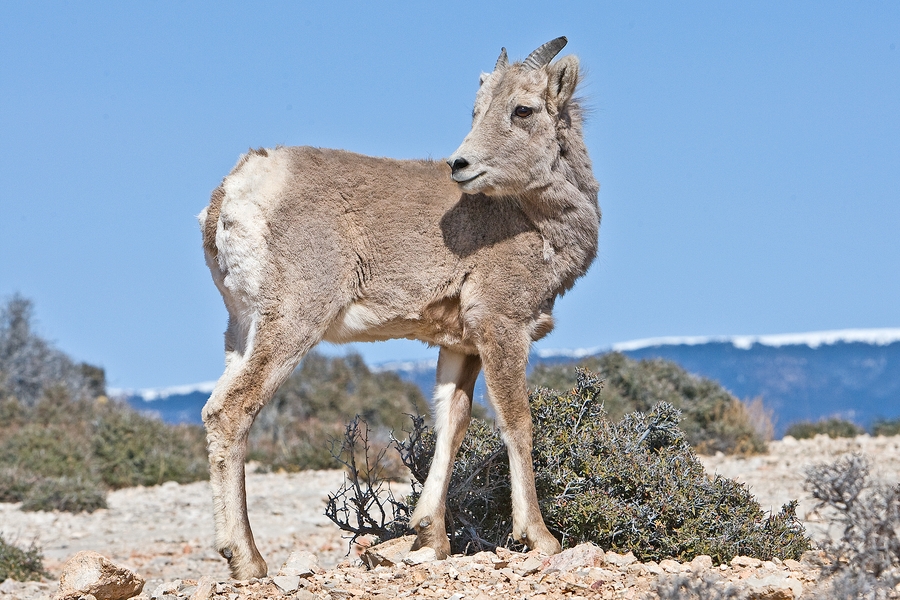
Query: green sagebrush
(833, 428)
(633, 485)
(19, 564)
(711, 418)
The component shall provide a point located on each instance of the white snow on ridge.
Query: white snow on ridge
(405, 365)
(151, 394)
(814, 339)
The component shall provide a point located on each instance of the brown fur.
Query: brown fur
(307, 244)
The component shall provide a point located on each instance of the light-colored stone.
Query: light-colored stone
(389, 553)
(530, 565)
(206, 586)
(287, 583)
(300, 564)
(670, 566)
(92, 573)
(9, 586)
(422, 555)
(582, 555)
(745, 561)
(701, 563)
(773, 587)
(620, 560)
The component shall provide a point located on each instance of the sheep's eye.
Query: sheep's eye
(522, 112)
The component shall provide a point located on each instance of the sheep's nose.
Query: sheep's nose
(457, 164)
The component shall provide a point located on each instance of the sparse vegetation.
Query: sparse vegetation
(294, 431)
(62, 442)
(712, 419)
(886, 427)
(19, 564)
(865, 559)
(632, 485)
(833, 428)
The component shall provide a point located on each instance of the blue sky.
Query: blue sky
(748, 153)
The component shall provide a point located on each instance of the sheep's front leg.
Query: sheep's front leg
(456, 375)
(504, 371)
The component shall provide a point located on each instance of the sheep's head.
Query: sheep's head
(514, 145)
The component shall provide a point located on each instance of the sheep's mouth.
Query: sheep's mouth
(457, 177)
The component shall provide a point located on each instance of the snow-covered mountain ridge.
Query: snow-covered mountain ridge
(813, 339)
(851, 373)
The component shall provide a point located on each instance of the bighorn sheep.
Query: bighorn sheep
(307, 244)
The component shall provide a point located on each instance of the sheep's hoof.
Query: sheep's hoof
(429, 535)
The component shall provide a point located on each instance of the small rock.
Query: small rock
(701, 563)
(531, 565)
(773, 587)
(745, 561)
(90, 573)
(166, 587)
(304, 595)
(389, 553)
(422, 555)
(9, 586)
(300, 564)
(205, 588)
(287, 583)
(670, 566)
(793, 565)
(619, 560)
(582, 555)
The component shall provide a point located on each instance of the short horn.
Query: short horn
(502, 62)
(543, 55)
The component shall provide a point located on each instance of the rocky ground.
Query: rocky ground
(165, 534)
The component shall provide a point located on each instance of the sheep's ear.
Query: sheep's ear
(563, 79)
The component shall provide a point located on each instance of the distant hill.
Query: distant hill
(854, 374)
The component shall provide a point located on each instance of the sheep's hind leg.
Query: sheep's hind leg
(247, 385)
(456, 375)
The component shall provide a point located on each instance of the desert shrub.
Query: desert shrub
(865, 559)
(46, 451)
(132, 449)
(62, 442)
(69, 494)
(632, 485)
(294, 430)
(886, 427)
(712, 419)
(19, 564)
(833, 428)
(14, 484)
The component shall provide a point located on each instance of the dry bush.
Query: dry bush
(865, 559)
(632, 485)
(364, 505)
(712, 419)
